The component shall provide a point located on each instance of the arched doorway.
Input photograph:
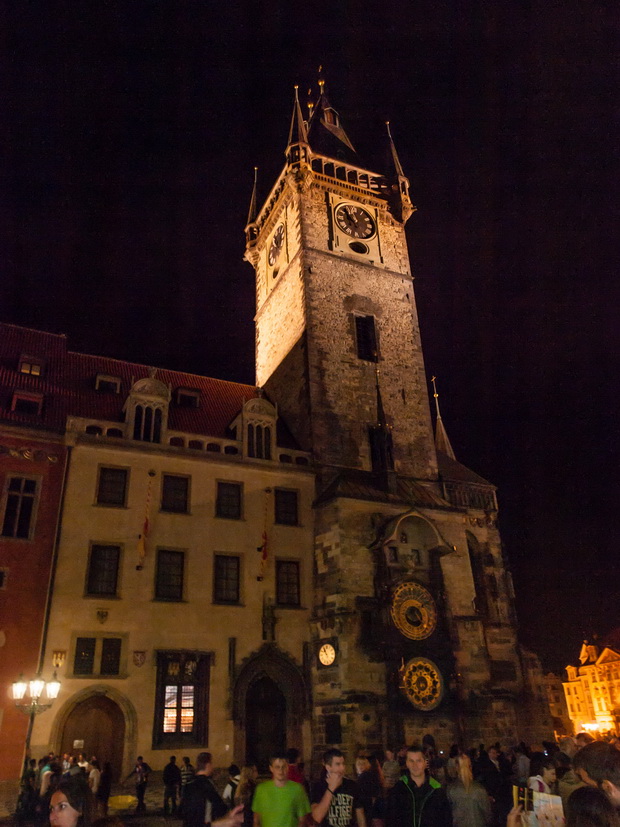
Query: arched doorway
(265, 716)
(270, 704)
(99, 722)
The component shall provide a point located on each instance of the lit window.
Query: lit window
(19, 507)
(30, 367)
(287, 582)
(169, 576)
(97, 656)
(228, 501)
(226, 579)
(286, 510)
(181, 706)
(102, 577)
(112, 486)
(175, 494)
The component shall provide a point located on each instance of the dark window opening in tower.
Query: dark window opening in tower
(366, 336)
(381, 451)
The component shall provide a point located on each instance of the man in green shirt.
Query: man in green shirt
(279, 802)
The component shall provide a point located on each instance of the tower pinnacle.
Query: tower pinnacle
(297, 147)
(250, 227)
(400, 199)
(442, 443)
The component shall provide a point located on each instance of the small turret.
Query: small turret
(297, 148)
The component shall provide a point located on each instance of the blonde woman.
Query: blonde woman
(469, 801)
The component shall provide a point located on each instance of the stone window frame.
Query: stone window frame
(166, 506)
(219, 507)
(280, 509)
(22, 496)
(98, 655)
(101, 470)
(92, 570)
(164, 591)
(218, 580)
(283, 582)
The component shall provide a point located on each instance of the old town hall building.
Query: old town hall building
(301, 563)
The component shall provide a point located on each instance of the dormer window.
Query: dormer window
(147, 423)
(256, 427)
(259, 441)
(188, 397)
(146, 410)
(104, 383)
(24, 402)
(30, 365)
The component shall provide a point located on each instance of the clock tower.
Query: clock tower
(413, 626)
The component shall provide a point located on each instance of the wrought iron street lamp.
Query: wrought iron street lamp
(28, 696)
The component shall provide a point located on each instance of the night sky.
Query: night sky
(129, 136)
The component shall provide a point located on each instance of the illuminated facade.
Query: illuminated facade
(301, 563)
(592, 690)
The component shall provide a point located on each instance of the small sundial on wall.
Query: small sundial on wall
(413, 611)
(422, 684)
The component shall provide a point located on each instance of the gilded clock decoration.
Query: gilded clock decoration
(327, 654)
(422, 684)
(276, 245)
(354, 221)
(413, 611)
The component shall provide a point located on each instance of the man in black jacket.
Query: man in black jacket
(202, 803)
(172, 783)
(415, 800)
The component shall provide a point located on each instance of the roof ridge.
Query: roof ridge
(159, 367)
(33, 330)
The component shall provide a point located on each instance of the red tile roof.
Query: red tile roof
(68, 385)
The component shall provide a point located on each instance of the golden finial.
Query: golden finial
(435, 394)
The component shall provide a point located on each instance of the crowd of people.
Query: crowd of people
(416, 786)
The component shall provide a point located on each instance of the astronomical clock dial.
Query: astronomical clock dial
(354, 221)
(276, 245)
(327, 654)
(413, 611)
(422, 684)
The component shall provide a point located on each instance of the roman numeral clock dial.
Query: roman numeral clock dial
(354, 221)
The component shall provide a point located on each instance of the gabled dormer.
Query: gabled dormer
(256, 428)
(146, 410)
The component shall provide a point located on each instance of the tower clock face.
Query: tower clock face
(276, 245)
(355, 221)
(422, 684)
(327, 654)
(413, 611)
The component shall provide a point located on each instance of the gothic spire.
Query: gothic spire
(400, 199)
(326, 134)
(298, 133)
(250, 228)
(395, 159)
(442, 443)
